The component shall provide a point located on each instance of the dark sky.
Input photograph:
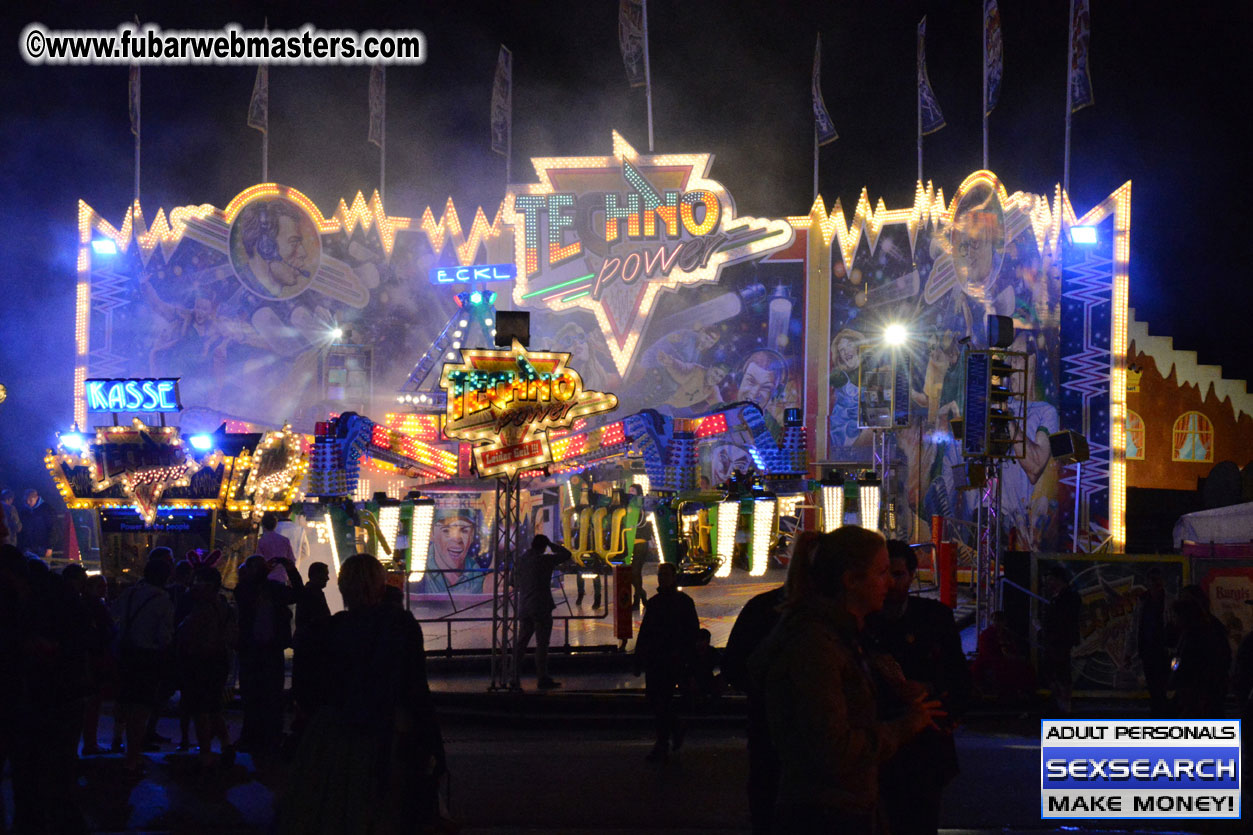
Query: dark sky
(1172, 102)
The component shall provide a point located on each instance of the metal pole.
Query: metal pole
(1078, 494)
(815, 160)
(1070, 22)
(265, 151)
(648, 78)
(138, 125)
(995, 589)
(383, 144)
(918, 96)
(985, 95)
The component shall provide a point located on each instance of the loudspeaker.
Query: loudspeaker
(511, 325)
(1000, 331)
(1068, 445)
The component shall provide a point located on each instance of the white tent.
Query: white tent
(1223, 525)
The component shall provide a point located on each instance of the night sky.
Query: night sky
(1172, 102)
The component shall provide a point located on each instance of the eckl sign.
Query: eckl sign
(608, 234)
(505, 401)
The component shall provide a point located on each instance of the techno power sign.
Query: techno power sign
(505, 401)
(608, 234)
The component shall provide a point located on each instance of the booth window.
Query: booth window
(1135, 437)
(1193, 438)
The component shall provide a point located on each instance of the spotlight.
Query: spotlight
(73, 440)
(337, 333)
(1084, 235)
(201, 443)
(104, 247)
(895, 334)
(476, 298)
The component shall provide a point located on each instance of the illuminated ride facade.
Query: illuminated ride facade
(639, 268)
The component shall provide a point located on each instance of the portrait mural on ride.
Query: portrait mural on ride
(244, 306)
(941, 278)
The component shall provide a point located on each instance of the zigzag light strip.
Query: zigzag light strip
(930, 209)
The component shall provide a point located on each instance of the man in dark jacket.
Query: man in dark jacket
(532, 575)
(758, 617)
(264, 632)
(39, 525)
(921, 636)
(1059, 634)
(663, 652)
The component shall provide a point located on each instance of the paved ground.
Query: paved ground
(574, 762)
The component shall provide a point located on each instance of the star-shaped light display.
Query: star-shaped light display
(591, 273)
(505, 401)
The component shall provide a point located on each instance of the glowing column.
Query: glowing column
(724, 545)
(763, 526)
(423, 522)
(868, 489)
(832, 502)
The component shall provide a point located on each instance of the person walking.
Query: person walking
(12, 519)
(821, 684)
(755, 622)
(663, 653)
(372, 755)
(533, 574)
(921, 635)
(144, 615)
(1059, 634)
(202, 645)
(264, 633)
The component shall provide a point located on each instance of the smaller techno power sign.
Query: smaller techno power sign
(133, 395)
(506, 401)
(1140, 769)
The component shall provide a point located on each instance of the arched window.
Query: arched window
(1135, 437)
(1193, 438)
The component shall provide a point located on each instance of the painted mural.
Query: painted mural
(941, 279)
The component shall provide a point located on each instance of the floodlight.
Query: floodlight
(104, 247)
(1084, 235)
(72, 440)
(337, 333)
(201, 443)
(895, 334)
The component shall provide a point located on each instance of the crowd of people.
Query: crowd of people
(853, 683)
(364, 750)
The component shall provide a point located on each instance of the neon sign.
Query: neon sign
(478, 272)
(607, 234)
(133, 395)
(505, 401)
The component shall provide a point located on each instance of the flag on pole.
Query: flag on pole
(1080, 81)
(134, 99)
(822, 119)
(378, 104)
(631, 39)
(259, 107)
(502, 102)
(993, 54)
(932, 118)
